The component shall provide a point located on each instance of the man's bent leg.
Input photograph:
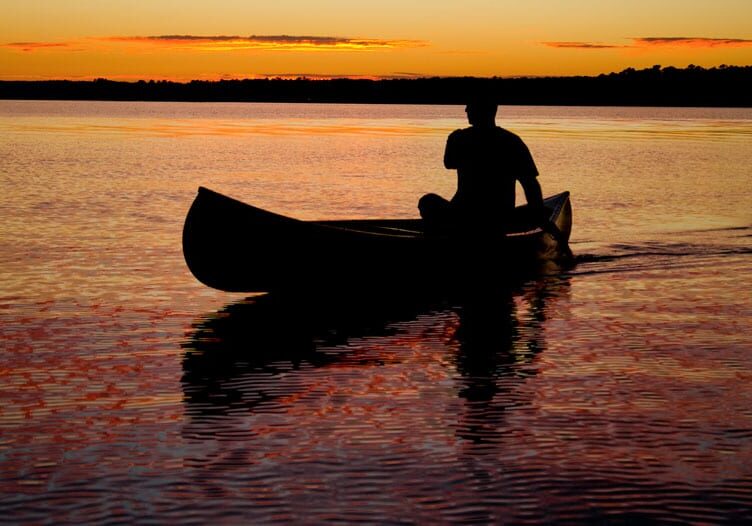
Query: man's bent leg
(436, 213)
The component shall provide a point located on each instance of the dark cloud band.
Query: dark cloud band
(643, 42)
(280, 40)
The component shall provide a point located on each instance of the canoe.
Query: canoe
(235, 247)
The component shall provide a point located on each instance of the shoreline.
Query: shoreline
(365, 103)
(726, 86)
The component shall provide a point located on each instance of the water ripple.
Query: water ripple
(616, 392)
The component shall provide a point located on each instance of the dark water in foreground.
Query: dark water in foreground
(616, 392)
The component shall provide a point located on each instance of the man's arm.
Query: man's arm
(450, 152)
(527, 175)
(534, 197)
(533, 194)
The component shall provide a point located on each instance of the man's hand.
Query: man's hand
(548, 226)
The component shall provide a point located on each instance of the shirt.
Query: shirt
(488, 162)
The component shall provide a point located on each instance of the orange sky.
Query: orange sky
(192, 39)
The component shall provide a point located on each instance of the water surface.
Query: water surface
(618, 391)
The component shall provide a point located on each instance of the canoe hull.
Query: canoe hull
(231, 246)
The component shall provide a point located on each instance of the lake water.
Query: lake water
(616, 392)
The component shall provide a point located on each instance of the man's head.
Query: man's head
(481, 111)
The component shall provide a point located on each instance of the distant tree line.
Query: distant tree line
(656, 86)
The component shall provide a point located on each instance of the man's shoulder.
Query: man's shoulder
(460, 138)
(506, 134)
(496, 130)
(462, 132)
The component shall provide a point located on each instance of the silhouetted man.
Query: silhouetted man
(488, 160)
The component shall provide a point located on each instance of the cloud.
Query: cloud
(692, 42)
(34, 46)
(583, 45)
(335, 76)
(310, 76)
(405, 75)
(647, 42)
(269, 42)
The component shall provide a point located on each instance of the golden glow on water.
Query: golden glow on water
(184, 128)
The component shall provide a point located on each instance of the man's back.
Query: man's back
(489, 160)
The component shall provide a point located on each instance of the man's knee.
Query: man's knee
(432, 205)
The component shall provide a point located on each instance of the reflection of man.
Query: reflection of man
(488, 160)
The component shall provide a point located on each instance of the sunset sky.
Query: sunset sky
(199, 39)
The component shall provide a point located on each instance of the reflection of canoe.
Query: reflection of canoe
(235, 247)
